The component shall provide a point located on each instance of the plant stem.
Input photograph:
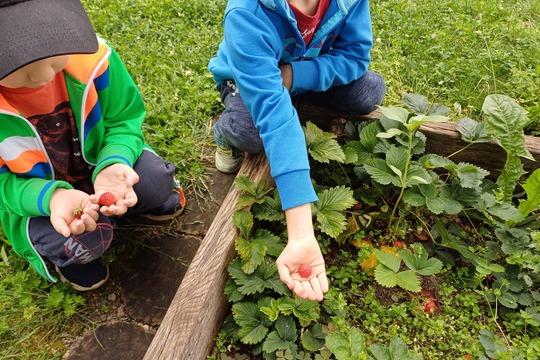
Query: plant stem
(403, 180)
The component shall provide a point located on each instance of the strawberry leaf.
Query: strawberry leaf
(313, 338)
(385, 276)
(251, 252)
(391, 261)
(322, 145)
(264, 277)
(305, 310)
(418, 261)
(284, 337)
(243, 220)
(329, 209)
(346, 346)
(253, 323)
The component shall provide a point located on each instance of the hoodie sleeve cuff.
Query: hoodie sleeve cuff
(295, 189)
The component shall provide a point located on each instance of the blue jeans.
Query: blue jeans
(155, 196)
(235, 125)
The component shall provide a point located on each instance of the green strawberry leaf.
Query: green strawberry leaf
(313, 338)
(251, 252)
(322, 145)
(283, 337)
(253, 323)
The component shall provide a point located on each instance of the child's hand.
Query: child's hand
(303, 252)
(63, 218)
(117, 179)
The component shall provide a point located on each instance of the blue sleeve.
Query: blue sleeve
(254, 47)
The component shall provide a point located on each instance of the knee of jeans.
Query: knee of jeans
(372, 96)
(244, 138)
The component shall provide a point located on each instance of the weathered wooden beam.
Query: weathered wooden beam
(197, 311)
(442, 139)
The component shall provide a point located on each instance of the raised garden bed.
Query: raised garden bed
(196, 314)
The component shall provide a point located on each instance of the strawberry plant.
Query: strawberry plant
(412, 218)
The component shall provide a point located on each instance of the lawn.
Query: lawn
(453, 52)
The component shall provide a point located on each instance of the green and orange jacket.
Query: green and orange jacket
(109, 112)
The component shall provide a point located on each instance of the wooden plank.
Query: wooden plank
(198, 309)
(442, 139)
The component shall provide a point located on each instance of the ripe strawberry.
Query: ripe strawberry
(430, 306)
(304, 270)
(358, 206)
(107, 199)
(399, 244)
(77, 212)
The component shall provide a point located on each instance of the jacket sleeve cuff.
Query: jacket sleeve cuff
(301, 81)
(295, 189)
(114, 154)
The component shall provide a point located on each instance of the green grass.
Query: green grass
(453, 51)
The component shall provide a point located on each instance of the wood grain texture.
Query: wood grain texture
(198, 309)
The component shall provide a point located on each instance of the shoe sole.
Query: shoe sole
(165, 217)
(79, 287)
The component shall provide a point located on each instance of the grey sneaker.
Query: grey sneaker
(228, 159)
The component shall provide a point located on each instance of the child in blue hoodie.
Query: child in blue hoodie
(274, 51)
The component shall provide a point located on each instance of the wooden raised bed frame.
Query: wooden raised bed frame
(197, 311)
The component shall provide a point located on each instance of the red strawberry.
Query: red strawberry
(107, 199)
(77, 212)
(399, 244)
(304, 270)
(430, 306)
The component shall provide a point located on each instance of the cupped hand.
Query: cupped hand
(117, 179)
(296, 253)
(63, 204)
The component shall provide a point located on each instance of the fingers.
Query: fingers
(60, 225)
(285, 275)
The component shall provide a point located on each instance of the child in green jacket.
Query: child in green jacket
(71, 119)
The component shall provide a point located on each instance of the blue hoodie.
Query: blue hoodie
(260, 35)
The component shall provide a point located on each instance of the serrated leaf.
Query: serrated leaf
(346, 347)
(243, 183)
(395, 113)
(391, 261)
(251, 252)
(397, 157)
(451, 206)
(322, 145)
(313, 338)
(283, 337)
(472, 131)
(435, 205)
(329, 209)
(243, 220)
(470, 176)
(420, 262)
(418, 103)
(269, 209)
(413, 198)
(380, 172)
(508, 299)
(390, 133)
(305, 310)
(397, 350)
(385, 277)
(264, 277)
(253, 323)
(418, 120)
(274, 245)
(532, 189)
(408, 280)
